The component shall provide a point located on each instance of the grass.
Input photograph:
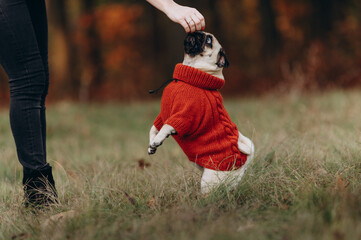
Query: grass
(303, 184)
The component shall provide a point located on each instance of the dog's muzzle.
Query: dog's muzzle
(222, 61)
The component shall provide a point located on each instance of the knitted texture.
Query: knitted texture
(194, 108)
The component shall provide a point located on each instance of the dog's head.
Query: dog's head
(204, 47)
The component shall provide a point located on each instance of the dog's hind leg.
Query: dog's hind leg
(237, 175)
(211, 179)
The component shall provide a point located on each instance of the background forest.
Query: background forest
(117, 50)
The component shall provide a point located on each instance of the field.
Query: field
(305, 181)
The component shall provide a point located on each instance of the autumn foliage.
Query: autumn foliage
(112, 43)
(121, 49)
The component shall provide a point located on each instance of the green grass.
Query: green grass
(303, 184)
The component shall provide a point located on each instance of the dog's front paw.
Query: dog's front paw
(156, 141)
(155, 144)
(153, 147)
(151, 150)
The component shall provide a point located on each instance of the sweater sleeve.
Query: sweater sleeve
(187, 112)
(158, 123)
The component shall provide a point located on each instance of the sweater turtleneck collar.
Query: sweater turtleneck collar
(197, 77)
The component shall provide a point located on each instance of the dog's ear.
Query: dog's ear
(194, 43)
(222, 61)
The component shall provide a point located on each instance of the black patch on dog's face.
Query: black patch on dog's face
(222, 61)
(194, 43)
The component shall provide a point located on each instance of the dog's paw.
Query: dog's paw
(158, 139)
(151, 150)
(153, 146)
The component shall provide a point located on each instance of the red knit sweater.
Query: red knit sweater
(194, 108)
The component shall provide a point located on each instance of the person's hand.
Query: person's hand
(190, 19)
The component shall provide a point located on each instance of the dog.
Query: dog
(192, 112)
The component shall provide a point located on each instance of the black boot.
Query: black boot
(39, 188)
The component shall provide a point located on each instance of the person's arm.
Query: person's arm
(190, 19)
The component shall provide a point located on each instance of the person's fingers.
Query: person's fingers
(201, 18)
(197, 22)
(185, 25)
(191, 24)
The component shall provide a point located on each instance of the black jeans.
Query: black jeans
(24, 57)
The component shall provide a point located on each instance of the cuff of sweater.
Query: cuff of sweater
(158, 123)
(178, 125)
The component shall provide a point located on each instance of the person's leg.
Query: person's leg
(24, 65)
(37, 11)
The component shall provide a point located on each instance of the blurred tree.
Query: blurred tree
(322, 17)
(106, 49)
(91, 56)
(270, 33)
(62, 47)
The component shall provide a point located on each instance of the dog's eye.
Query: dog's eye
(209, 40)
